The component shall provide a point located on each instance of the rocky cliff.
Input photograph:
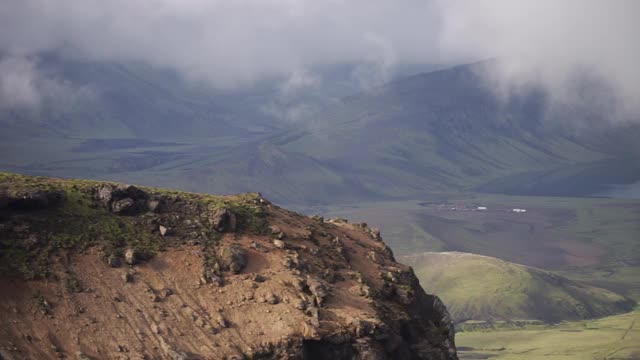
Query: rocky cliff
(92, 270)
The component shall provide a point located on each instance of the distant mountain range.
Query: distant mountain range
(441, 131)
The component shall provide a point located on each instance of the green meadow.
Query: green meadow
(609, 338)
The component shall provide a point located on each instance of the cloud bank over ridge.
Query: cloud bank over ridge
(231, 44)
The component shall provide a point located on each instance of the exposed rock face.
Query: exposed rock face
(216, 287)
(122, 199)
(318, 290)
(224, 220)
(234, 258)
(280, 244)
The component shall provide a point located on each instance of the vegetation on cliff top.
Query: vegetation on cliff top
(39, 216)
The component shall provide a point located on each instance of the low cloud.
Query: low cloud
(227, 43)
(231, 44)
(19, 83)
(24, 85)
(561, 46)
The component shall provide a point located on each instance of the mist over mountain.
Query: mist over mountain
(439, 131)
(311, 108)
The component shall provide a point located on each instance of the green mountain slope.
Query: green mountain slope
(447, 130)
(115, 100)
(441, 131)
(476, 287)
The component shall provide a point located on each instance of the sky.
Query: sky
(236, 43)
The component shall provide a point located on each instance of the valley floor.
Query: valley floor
(590, 240)
(613, 337)
(593, 240)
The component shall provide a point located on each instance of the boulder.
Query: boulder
(300, 304)
(130, 191)
(233, 258)
(300, 285)
(375, 257)
(123, 206)
(123, 199)
(103, 192)
(127, 277)
(258, 247)
(276, 232)
(175, 354)
(271, 298)
(221, 321)
(375, 233)
(114, 261)
(130, 256)
(223, 220)
(153, 205)
(362, 328)
(279, 244)
(388, 289)
(318, 290)
(288, 263)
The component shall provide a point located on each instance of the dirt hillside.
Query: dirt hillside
(92, 270)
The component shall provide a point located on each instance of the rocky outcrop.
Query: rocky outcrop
(233, 258)
(224, 220)
(318, 290)
(122, 199)
(130, 272)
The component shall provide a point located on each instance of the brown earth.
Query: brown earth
(577, 253)
(333, 291)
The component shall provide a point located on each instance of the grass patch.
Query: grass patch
(29, 238)
(614, 337)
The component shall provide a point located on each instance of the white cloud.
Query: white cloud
(18, 83)
(228, 43)
(550, 43)
(231, 43)
(299, 80)
(24, 84)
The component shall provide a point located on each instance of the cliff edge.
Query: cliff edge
(96, 270)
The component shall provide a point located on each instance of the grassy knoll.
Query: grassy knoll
(587, 239)
(478, 287)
